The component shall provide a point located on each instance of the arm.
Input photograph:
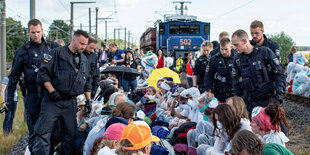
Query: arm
(236, 75)
(121, 60)
(16, 71)
(3, 87)
(196, 72)
(276, 70)
(164, 59)
(209, 75)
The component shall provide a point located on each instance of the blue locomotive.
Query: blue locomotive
(178, 34)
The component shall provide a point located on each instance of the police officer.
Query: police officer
(65, 75)
(201, 64)
(260, 39)
(256, 72)
(222, 35)
(219, 70)
(27, 60)
(93, 63)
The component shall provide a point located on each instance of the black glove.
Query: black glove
(55, 96)
(87, 109)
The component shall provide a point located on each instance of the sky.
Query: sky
(292, 17)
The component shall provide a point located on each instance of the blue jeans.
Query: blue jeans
(126, 84)
(8, 120)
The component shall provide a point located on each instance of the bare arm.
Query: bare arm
(87, 95)
(164, 59)
(3, 87)
(194, 80)
(48, 85)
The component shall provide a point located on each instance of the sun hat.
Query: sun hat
(138, 135)
(114, 131)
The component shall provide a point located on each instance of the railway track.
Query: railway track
(297, 98)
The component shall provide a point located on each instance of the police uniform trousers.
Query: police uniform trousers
(52, 111)
(32, 110)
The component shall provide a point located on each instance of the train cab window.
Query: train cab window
(207, 29)
(194, 29)
(162, 29)
(174, 29)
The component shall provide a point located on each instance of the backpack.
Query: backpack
(159, 149)
(182, 130)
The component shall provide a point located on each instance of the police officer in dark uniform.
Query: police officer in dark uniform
(217, 49)
(219, 70)
(92, 57)
(27, 60)
(201, 64)
(260, 39)
(256, 73)
(65, 75)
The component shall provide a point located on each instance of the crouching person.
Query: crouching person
(136, 139)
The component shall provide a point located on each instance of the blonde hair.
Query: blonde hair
(222, 34)
(112, 44)
(101, 143)
(239, 106)
(205, 44)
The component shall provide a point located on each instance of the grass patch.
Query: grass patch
(19, 128)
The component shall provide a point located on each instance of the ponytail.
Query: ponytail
(277, 115)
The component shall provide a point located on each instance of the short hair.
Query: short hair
(34, 22)
(256, 24)
(240, 34)
(112, 44)
(224, 41)
(222, 34)
(92, 40)
(78, 33)
(60, 42)
(293, 49)
(247, 140)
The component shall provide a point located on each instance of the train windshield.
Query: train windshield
(184, 29)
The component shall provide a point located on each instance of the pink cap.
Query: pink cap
(114, 131)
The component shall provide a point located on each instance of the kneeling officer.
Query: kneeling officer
(64, 75)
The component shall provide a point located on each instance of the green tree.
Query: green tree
(285, 42)
(58, 30)
(16, 35)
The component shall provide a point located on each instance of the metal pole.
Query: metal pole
(118, 38)
(71, 22)
(129, 38)
(32, 9)
(114, 34)
(3, 40)
(97, 9)
(89, 12)
(125, 40)
(80, 26)
(106, 30)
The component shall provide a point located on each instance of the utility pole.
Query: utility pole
(114, 34)
(128, 38)
(71, 17)
(97, 9)
(81, 26)
(3, 39)
(118, 39)
(89, 17)
(125, 40)
(32, 9)
(106, 30)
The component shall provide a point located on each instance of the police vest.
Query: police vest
(34, 61)
(223, 71)
(255, 72)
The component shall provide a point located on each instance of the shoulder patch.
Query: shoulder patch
(207, 69)
(277, 52)
(47, 57)
(276, 61)
(234, 72)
